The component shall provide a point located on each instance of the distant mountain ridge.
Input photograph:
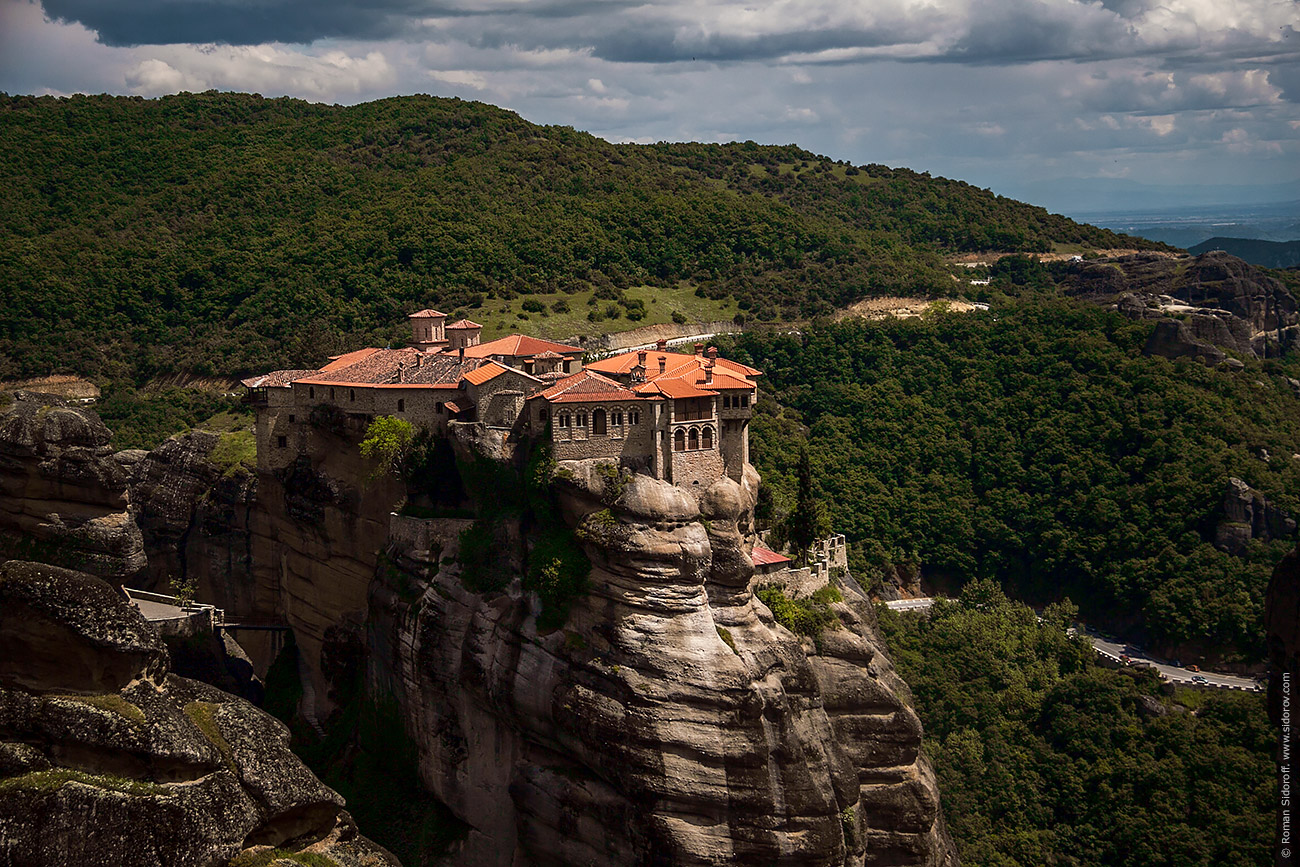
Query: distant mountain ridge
(218, 233)
(1266, 254)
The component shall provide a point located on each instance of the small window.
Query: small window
(726, 401)
(694, 440)
(401, 405)
(331, 394)
(437, 407)
(598, 422)
(292, 418)
(567, 364)
(707, 438)
(352, 394)
(679, 441)
(744, 400)
(282, 442)
(582, 419)
(636, 416)
(311, 392)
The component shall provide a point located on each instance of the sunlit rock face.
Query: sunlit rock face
(61, 488)
(636, 734)
(107, 758)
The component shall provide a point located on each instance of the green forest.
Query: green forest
(220, 234)
(1045, 758)
(1035, 445)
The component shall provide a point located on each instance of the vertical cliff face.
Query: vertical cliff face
(61, 487)
(671, 720)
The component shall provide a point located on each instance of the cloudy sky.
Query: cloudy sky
(1015, 95)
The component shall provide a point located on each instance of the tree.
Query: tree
(808, 522)
(388, 442)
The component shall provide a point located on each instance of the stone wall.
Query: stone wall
(629, 444)
(697, 469)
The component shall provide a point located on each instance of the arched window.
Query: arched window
(679, 441)
(598, 421)
(564, 419)
(694, 439)
(616, 418)
(636, 416)
(708, 438)
(582, 420)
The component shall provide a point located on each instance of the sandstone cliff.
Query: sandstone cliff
(61, 488)
(106, 758)
(1220, 302)
(671, 720)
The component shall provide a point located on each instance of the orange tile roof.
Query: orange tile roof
(675, 363)
(275, 379)
(491, 370)
(451, 407)
(670, 387)
(721, 380)
(519, 345)
(349, 358)
(586, 386)
(764, 556)
(427, 313)
(463, 323)
(395, 368)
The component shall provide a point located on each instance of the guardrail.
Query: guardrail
(186, 605)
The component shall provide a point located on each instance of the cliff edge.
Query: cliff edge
(671, 720)
(107, 758)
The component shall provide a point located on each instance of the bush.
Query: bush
(800, 616)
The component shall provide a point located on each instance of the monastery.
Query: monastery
(681, 418)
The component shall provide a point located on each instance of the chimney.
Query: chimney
(663, 364)
(462, 354)
(708, 372)
(699, 350)
(662, 344)
(713, 352)
(640, 358)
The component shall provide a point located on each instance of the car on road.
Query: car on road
(1193, 667)
(1199, 678)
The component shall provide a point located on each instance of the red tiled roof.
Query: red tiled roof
(764, 556)
(519, 345)
(670, 387)
(491, 370)
(451, 407)
(347, 358)
(675, 364)
(721, 380)
(276, 378)
(587, 387)
(427, 313)
(395, 368)
(463, 323)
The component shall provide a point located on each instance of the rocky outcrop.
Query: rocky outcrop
(194, 516)
(107, 758)
(671, 720)
(1218, 300)
(61, 488)
(1248, 514)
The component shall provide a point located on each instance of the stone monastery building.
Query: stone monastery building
(682, 418)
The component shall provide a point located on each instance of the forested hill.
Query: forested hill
(222, 233)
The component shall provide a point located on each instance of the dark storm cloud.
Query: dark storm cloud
(255, 22)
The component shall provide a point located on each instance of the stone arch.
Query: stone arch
(693, 440)
(679, 441)
(706, 437)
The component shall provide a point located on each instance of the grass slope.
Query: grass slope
(223, 233)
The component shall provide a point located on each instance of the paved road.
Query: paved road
(910, 604)
(1114, 650)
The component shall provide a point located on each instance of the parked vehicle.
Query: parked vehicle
(1193, 667)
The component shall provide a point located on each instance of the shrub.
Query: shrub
(800, 616)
